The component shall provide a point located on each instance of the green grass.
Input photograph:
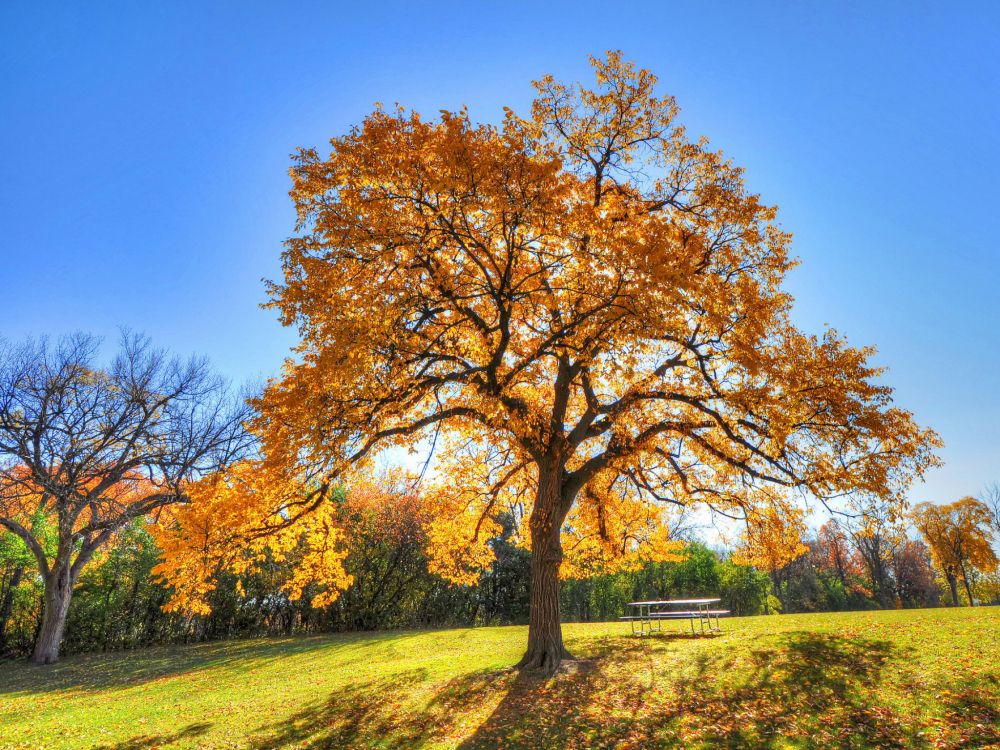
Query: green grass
(926, 678)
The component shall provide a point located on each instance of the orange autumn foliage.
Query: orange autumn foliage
(22, 498)
(246, 517)
(585, 305)
(236, 521)
(773, 535)
(960, 538)
(834, 554)
(612, 528)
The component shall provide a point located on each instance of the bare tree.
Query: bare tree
(92, 449)
(990, 497)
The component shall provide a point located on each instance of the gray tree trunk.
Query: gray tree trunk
(58, 592)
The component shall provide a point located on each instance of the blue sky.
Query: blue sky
(143, 180)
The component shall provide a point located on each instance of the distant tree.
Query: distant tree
(913, 575)
(385, 523)
(836, 557)
(875, 536)
(587, 304)
(988, 587)
(990, 497)
(503, 588)
(772, 541)
(833, 552)
(960, 538)
(92, 449)
(744, 589)
(800, 587)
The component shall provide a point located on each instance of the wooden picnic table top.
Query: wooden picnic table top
(674, 601)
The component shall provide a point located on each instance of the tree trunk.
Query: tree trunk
(545, 644)
(953, 585)
(58, 590)
(7, 604)
(776, 588)
(968, 590)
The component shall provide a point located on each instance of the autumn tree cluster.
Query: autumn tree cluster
(874, 560)
(120, 603)
(849, 565)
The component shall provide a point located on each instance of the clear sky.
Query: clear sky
(143, 177)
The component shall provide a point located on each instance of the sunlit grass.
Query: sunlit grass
(923, 678)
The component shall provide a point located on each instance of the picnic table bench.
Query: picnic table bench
(650, 615)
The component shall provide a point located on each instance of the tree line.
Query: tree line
(119, 601)
(94, 458)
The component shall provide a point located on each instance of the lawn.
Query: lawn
(924, 678)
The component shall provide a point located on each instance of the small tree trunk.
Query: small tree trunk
(968, 590)
(58, 591)
(776, 588)
(953, 585)
(7, 604)
(545, 644)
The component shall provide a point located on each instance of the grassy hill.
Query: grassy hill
(927, 678)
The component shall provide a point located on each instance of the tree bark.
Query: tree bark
(7, 604)
(58, 591)
(545, 644)
(968, 589)
(953, 585)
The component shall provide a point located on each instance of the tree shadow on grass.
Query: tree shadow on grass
(970, 718)
(801, 689)
(99, 672)
(376, 714)
(809, 690)
(806, 690)
(382, 715)
(148, 741)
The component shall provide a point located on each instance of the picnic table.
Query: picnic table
(650, 615)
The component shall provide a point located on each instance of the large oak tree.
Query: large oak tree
(583, 310)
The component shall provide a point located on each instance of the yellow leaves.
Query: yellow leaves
(614, 529)
(482, 491)
(322, 561)
(452, 552)
(608, 125)
(238, 520)
(959, 536)
(586, 289)
(474, 487)
(773, 534)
